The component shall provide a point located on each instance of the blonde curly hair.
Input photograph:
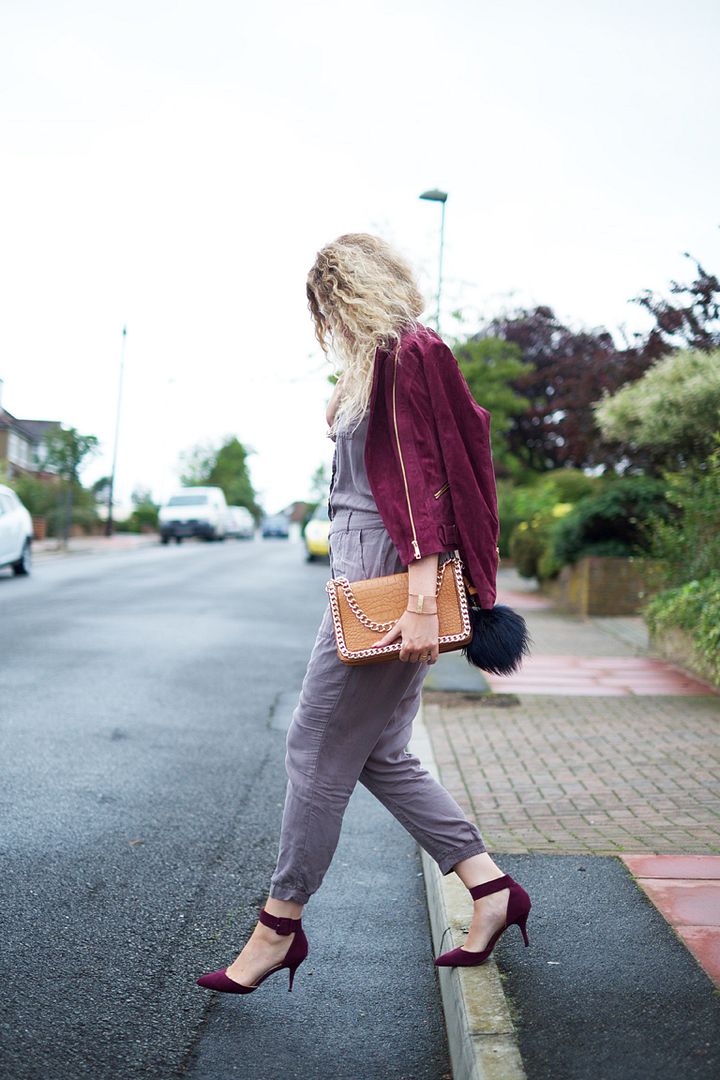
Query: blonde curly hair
(362, 295)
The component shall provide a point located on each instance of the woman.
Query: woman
(403, 420)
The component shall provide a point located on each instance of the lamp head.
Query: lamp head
(435, 195)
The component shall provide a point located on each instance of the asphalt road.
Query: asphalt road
(142, 701)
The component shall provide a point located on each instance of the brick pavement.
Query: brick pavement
(610, 751)
(565, 774)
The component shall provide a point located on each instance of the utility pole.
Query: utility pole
(438, 196)
(109, 525)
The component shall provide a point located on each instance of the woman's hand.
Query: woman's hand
(419, 637)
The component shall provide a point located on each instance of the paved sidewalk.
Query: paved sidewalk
(583, 767)
(584, 774)
(595, 749)
(92, 545)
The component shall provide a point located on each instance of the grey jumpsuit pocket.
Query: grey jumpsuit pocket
(346, 554)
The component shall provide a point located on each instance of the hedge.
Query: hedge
(695, 608)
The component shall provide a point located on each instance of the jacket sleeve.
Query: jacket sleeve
(463, 431)
(415, 451)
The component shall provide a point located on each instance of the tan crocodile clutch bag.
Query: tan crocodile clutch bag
(364, 611)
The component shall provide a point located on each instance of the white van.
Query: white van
(194, 511)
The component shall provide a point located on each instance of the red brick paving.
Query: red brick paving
(685, 903)
(607, 676)
(704, 943)
(519, 598)
(686, 890)
(687, 867)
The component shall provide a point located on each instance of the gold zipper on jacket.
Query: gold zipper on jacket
(442, 490)
(416, 546)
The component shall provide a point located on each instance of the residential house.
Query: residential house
(22, 444)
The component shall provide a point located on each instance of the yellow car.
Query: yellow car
(316, 534)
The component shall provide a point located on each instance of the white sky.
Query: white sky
(176, 165)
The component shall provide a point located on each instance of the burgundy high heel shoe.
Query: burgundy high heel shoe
(518, 907)
(219, 980)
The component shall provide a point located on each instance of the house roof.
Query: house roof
(38, 429)
(35, 430)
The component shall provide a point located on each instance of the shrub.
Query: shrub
(531, 543)
(41, 497)
(612, 522)
(526, 547)
(695, 608)
(517, 504)
(688, 541)
(527, 502)
(570, 485)
(83, 516)
(144, 518)
(671, 412)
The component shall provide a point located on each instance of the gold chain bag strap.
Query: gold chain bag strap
(363, 611)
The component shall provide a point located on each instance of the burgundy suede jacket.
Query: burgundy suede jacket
(428, 459)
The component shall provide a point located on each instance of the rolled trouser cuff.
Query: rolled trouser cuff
(451, 858)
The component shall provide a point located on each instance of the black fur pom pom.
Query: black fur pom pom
(500, 639)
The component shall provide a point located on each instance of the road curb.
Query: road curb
(42, 554)
(481, 1035)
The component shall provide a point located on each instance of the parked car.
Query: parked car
(316, 533)
(194, 511)
(15, 533)
(240, 523)
(276, 525)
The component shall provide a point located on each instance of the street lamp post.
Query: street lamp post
(111, 487)
(438, 196)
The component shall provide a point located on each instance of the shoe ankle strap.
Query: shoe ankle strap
(495, 885)
(281, 924)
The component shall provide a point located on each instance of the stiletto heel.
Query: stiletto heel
(298, 951)
(518, 907)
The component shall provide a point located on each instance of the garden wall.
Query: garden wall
(676, 645)
(604, 585)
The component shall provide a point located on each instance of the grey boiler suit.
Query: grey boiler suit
(354, 723)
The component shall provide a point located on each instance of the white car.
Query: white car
(194, 511)
(240, 523)
(15, 533)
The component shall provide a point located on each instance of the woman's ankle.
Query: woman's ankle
(287, 909)
(477, 869)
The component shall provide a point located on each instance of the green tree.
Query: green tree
(224, 467)
(672, 412)
(145, 511)
(66, 452)
(490, 366)
(320, 483)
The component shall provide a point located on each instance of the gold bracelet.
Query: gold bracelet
(420, 608)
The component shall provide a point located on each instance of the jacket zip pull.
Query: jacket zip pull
(415, 545)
